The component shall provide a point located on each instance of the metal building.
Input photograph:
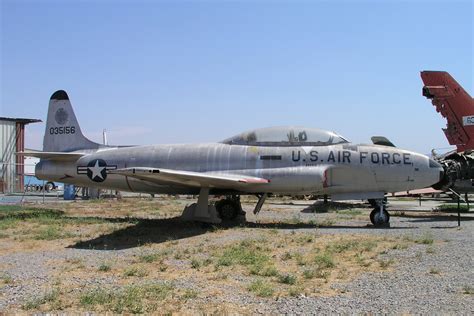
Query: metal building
(12, 140)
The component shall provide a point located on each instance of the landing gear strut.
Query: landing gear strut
(379, 216)
(201, 211)
(261, 200)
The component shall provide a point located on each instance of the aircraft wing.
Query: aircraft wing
(51, 155)
(454, 103)
(191, 178)
(414, 192)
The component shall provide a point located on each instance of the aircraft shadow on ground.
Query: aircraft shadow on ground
(155, 231)
(327, 208)
(423, 218)
(143, 231)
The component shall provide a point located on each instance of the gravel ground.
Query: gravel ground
(425, 279)
(412, 288)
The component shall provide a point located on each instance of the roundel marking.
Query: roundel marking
(97, 170)
(61, 116)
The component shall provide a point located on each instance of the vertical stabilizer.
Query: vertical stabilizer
(63, 132)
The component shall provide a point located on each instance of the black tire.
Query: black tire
(227, 209)
(50, 186)
(379, 221)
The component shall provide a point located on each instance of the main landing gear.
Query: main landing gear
(227, 210)
(379, 215)
(201, 211)
(230, 209)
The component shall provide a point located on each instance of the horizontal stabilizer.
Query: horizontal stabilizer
(198, 179)
(51, 155)
(381, 140)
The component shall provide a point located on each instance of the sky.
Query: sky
(152, 72)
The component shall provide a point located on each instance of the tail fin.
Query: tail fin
(455, 104)
(63, 133)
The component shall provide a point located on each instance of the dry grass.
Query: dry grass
(226, 262)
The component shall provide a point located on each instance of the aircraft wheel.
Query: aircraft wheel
(49, 186)
(379, 219)
(227, 209)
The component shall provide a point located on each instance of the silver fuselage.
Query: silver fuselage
(333, 170)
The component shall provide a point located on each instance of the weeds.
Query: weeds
(385, 263)
(351, 245)
(104, 267)
(50, 232)
(133, 299)
(400, 246)
(135, 271)
(327, 222)
(295, 291)
(306, 238)
(452, 208)
(261, 288)
(74, 263)
(309, 273)
(361, 260)
(426, 239)
(324, 261)
(349, 212)
(434, 271)
(286, 256)
(467, 289)
(247, 253)
(190, 293)
(268, 270)
(5, 278)
(8, 223)
(287, 279)
(195, 264)
(299, 259)
(51, 297)
(341, 246)
(149, 258)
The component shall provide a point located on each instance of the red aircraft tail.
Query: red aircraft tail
(455, 104)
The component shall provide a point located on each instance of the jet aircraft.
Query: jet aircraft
(286, 160)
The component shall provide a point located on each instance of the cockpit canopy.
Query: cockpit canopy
(286, 136)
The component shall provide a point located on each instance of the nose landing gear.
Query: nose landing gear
(379, 216)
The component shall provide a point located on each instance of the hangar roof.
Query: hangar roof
(20, 120)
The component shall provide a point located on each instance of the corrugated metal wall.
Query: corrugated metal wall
(8, 177)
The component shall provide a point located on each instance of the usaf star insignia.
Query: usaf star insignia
(96, 170)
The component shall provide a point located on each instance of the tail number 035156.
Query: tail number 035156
(62, 130)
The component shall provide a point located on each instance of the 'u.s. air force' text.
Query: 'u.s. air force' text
(345, 156)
